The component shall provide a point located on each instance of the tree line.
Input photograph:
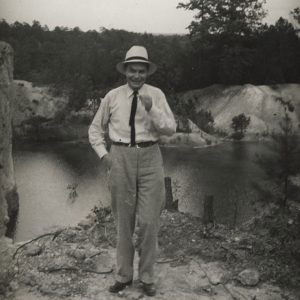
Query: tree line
(227, 44)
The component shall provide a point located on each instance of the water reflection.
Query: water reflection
(226, 172)
(43, 177)
(44, 173)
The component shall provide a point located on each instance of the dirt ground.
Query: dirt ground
(259, 261)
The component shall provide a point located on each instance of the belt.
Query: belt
(137, 145)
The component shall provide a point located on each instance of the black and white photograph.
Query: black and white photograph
(150, 149)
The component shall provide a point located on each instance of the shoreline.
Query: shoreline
(194, 260)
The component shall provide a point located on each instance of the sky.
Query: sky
(152, 16)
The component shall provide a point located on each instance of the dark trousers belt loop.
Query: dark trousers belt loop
(137, 145)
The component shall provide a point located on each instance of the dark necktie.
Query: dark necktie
(132, 117)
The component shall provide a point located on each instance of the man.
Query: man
(135, 114)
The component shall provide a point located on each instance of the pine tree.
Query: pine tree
(284, 160)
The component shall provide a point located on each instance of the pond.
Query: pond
(59, 183)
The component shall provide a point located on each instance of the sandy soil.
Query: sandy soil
(194, 262)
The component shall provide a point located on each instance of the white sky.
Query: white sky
(152, 16)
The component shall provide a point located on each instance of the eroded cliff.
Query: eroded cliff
(8, 194)
(7, 188)
(261, 103)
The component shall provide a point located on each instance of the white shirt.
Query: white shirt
(114, 112)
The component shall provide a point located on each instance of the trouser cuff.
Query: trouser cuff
(123, 279)
(146, 279)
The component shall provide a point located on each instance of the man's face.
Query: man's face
(136, 75)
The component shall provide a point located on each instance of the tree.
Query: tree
(36, 123)
(239, 125)
(226, 46)
(184, 110)
(223, 40)
(277, 59)
(295, 13)
(236, 63)
(233, 17)
(204, 120)
(284, 160)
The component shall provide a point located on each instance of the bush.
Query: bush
(208, 142)
(239, 124)
(237, 135)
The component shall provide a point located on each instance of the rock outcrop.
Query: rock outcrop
(42, 114)
(8, 194)
(8, 185)
(34, 105)
(261, 103)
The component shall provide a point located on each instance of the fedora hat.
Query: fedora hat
(136, 54)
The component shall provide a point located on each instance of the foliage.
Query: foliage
(231, 17)
(296, 14)
(284, 162)
(239, 125)
(204, 120)
(227, 44)
(73, 192)
(101, 213)
(230, 45)
(84, 62)
(283, 40)
(187, 109)
(36, 123)
(180, 106)
(237, 135)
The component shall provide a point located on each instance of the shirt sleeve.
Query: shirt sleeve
(99, 127)
(162, 117)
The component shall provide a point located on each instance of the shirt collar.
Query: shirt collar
(129, 90)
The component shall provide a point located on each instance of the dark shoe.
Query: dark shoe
(149, 289)
(119, 286)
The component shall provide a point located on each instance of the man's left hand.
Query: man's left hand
(146, 101)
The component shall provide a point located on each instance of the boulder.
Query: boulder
(33, 250)
(248, 277)
(215, 272)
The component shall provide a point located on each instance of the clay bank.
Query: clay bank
(40, 114)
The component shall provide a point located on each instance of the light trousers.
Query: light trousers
(136, 182)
